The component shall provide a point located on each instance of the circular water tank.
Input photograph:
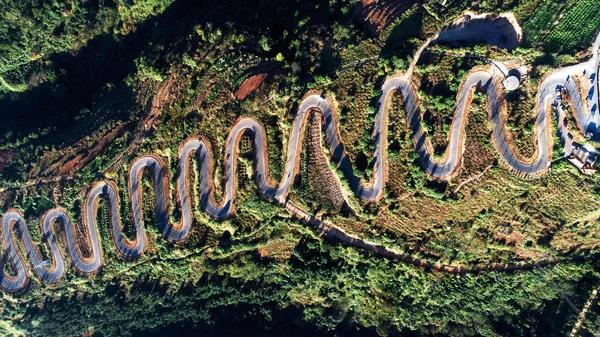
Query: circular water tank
(511, 83)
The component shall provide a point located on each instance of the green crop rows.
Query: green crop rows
(578, 26)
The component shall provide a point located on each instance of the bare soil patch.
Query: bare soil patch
(514, 238)
(6, 155)
(83, 159)
(378, 15)
(249, 85)
(498, 30)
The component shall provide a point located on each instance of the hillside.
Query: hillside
(277, 168)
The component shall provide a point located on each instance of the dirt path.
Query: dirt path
(147, 125)
(582, 314)
(332, 232)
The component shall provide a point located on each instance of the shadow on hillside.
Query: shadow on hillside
(398, 42)
(109, 59)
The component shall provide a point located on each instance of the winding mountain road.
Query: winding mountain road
(52, 270)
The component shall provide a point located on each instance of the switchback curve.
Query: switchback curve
(52, 271)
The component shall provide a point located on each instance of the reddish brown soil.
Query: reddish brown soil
(6, 156)
(70, 165)
(249, 85)
(379, 14)
(278, 250)
(514, 239)
(84, 158)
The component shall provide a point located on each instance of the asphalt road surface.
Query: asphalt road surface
(52, 270)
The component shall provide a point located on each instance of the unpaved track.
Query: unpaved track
(52, 271)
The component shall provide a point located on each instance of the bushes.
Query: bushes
(265, 43)
(31, 31)
(576, 29)
(145, 71)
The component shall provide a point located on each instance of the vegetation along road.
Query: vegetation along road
(52, 271)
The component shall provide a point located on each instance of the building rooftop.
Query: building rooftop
(583, 158)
